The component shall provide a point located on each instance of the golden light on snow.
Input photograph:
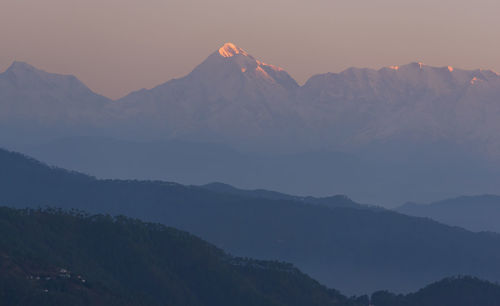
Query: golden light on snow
(229, 50)
(262, 72)
(450, 69)
(276, 68)
(394, 67)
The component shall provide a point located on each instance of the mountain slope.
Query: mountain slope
(54, 258)
(475, 213)
(355, 250)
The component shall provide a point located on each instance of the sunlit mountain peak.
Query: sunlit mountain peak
(229, 50)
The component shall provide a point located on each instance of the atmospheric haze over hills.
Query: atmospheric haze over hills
(387, 136)
(344, 245)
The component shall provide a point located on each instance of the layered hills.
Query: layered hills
(60, 258)
(53, 257)
(349, 247)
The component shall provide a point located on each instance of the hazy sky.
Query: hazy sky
(117, 46)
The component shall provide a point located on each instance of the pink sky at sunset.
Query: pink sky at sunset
(117, 46)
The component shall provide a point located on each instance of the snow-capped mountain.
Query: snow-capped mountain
(395, 134)
(32, 93)
(413, 102)
(231, 96)
(236, 99)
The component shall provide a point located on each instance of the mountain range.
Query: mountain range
(352, 247)
(387, 136)
(233, 97)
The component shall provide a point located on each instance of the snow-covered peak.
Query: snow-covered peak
(245, 61)
(232, 68)
(30, 78)
(230, 50)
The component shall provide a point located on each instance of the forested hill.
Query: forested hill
(454, 291)
(52, 257)
(58, 258)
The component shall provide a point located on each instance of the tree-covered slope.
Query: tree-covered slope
(57, 258)
(354, 250)
(453, 291)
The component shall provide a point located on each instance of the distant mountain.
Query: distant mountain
(230, 97)
(414, 104)
(56, 258)
(354, 250)
(35, 103)
(454, 291)
(235, 99)
(475, 213)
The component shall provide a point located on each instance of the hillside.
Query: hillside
(58, 258)
(354, 250)
(332, 201)
(72, 258)
(454, 291)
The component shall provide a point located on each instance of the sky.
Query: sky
(118, 46)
